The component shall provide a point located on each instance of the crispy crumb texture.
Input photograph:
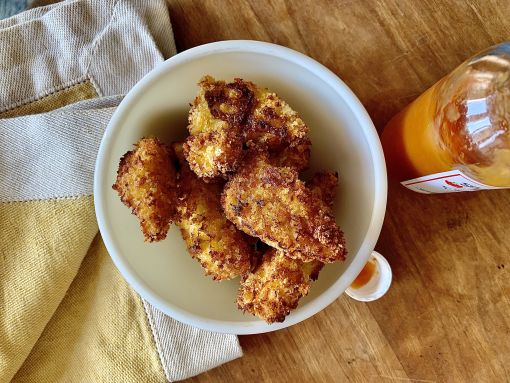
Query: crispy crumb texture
(274, 127)
(271, 203)
(215, 144)
(275, 287)
(324, 185)
(225, 117)
(223, 251)
(146, 183)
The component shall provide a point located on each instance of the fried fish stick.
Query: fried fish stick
(146, 183)
(271, 203)
(323, 185)
(279, 282)
(276, 286)
(222, 250)
(275, 127)
(215, 144)
(224, 116)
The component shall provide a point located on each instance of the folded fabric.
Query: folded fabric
(66, 314)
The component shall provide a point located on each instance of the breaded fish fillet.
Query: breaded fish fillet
(275, 127)
(224, 116)
(146, 183)
(276, 286)
(222, 250)
(323, 185)
(279, 282)
(215, 144)
(271, 203)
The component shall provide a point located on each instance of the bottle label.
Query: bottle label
(446, 182)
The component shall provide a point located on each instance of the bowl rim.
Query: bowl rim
(358, 260)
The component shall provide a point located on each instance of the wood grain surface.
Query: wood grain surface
(447, 316)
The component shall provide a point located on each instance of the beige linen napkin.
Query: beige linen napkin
(66, 314)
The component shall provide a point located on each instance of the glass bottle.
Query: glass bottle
(455, 136)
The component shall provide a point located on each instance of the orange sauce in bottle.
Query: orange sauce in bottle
(365, 275)
(411, 143)
(461, 123)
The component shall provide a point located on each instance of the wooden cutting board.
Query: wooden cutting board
(446, 317)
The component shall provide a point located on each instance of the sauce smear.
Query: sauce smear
(365, 275)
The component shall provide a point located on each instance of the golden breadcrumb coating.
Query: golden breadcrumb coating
(279, 282)
(275, 127)
(222, 250)
(146, 183)
(214, 147)
(226, 116)
(271, 203)
(323, 185)
(276, 286)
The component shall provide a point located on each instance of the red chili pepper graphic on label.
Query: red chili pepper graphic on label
(453, 184)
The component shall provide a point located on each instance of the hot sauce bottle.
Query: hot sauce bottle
(455, 136)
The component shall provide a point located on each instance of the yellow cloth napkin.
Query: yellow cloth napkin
(66, 314)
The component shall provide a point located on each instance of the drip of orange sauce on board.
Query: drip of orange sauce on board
(365, 275)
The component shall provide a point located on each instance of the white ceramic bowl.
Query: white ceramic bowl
(343, 139)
